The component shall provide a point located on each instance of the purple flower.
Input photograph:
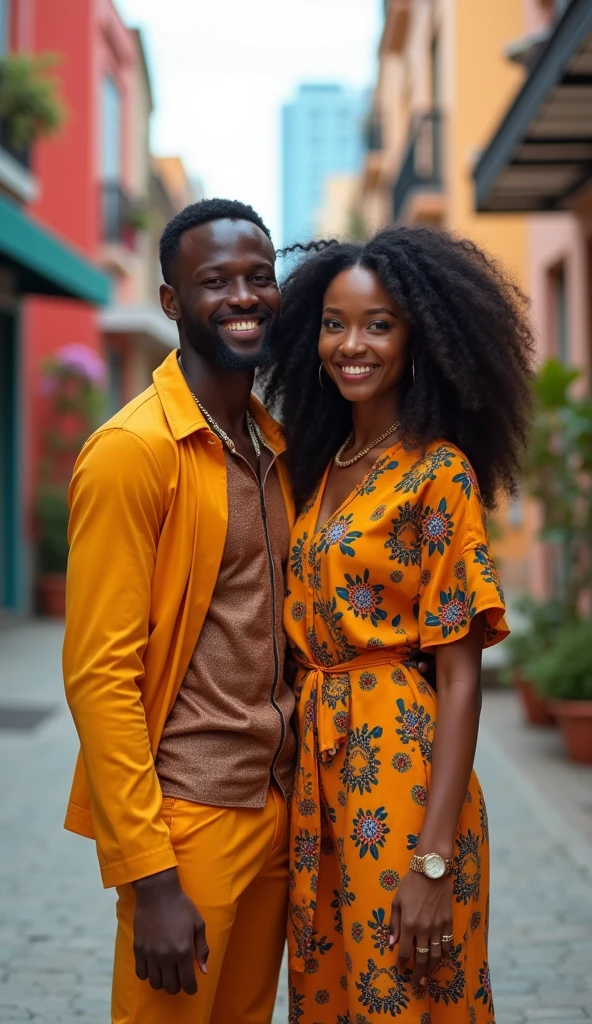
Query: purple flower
(83, 360)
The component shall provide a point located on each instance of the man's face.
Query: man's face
(224, 294)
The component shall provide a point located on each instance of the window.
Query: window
(561, 313)
(435, 72)
(4, 4)
(111, 128)
(115, 382)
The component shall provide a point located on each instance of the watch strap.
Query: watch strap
(417, 863)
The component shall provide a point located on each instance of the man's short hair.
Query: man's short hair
(195, 215)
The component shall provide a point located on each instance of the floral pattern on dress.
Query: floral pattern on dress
(402, 564)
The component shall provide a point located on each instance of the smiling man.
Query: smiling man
(174, 649)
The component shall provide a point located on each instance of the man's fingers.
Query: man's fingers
(141, 966)
(202, 951)
(154, 974)
(170, 979)
(187, 978)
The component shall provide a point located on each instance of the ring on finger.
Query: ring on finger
(447, 938)
(433, 942)
(419, 950)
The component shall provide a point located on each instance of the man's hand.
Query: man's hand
(169, 934)
(426, 664)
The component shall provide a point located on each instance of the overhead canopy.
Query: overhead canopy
(43, 263)
(541, 153)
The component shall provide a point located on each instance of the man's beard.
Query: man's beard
(208, 343)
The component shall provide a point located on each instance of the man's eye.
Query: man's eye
(263, 279)
(214, 281)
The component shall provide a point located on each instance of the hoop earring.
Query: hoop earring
(413, 369)
(321, 377)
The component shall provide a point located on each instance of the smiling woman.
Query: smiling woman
(402, 362)
(459, 341)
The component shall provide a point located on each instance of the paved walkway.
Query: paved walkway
(56, 925)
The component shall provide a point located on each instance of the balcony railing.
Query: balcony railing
(22, 155)
(116, 208)
(421, 170)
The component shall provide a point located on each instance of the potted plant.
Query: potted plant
(559, 475)
(564, 675)
(30, 103)
(73, 384)
(541, 620)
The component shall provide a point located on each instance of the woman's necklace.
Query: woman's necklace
(342, 463)
(252, 427)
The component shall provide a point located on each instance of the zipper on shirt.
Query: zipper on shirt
(276, 657)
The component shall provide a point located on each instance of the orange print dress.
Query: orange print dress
(402, 563)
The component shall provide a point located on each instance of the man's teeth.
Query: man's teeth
(241, 325)
(357, 370)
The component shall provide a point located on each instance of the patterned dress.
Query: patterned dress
(403, 562)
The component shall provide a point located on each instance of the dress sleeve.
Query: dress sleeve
(458, 577)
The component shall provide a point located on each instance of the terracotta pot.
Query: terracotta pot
(536, 709)
(51, 595)
(575, 722)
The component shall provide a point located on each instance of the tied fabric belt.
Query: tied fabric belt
(325, 696)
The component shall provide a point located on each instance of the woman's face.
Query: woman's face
(364, 340)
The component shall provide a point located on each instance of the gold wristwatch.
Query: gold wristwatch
(432, 865)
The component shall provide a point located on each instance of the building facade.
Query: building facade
(538, 161)
(35, 260)
(321, 137)
(443, 84)
(92, 186)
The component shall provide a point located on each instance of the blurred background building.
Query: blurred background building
(480, 121)
(81, 213)
(321, 137)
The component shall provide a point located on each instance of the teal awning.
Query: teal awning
(43, 263)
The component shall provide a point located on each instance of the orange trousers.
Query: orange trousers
(233, 864)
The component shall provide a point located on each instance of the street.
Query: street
(57, 922)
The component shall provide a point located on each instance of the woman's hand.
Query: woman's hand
(421, 914)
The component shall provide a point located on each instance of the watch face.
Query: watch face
(434, 866)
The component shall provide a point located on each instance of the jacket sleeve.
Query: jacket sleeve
(116, 513)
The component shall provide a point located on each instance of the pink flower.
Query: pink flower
(83, 360)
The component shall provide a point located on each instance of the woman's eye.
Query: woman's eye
(379, 325)
(331, 323)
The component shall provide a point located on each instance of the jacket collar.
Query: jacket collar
(184, 416)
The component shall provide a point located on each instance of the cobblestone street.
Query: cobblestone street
(56, 928)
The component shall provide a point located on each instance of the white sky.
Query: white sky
(221, 70)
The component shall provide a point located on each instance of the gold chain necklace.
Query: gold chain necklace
(252, 427)
(342, 463)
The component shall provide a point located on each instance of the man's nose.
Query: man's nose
(241, 294)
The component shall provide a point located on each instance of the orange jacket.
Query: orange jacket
(148, 518)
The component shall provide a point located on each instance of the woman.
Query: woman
(403, 384)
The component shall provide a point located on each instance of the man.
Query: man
(174, 648)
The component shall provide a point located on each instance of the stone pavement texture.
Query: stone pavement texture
(57, 923)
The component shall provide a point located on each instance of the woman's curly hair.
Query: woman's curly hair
(470, 338)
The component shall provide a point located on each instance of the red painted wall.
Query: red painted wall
(91, 40)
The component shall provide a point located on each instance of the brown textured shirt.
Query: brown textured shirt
(229, 731)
